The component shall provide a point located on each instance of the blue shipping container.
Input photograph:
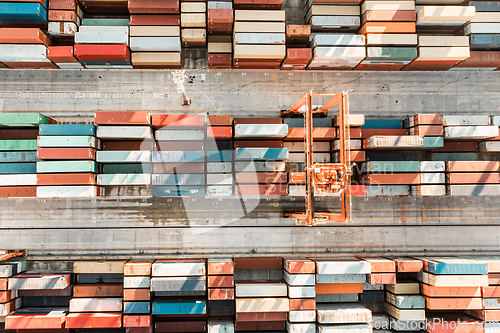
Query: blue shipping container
(220, 156)
(17, 168)
(486, 6)
(175, 191)
(484, 42)
(261, 153)
(178, 156)
(383, 123)
(67, 129)
(20, 12)
(454, 266)
(178, 179)
(136, 307)
(17, 156)
(179, 307)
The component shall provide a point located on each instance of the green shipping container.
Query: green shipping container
(22, 119)
(17, 145)
(391, 53)
(391, 166)
(433, 142)
(66, 166)
(105, 22)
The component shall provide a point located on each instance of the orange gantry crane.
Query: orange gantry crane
(326, 179)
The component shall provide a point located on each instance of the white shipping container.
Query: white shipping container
(220, 5)
(299, 279)
(69, 65)
(67, 191)
(259, 52)
(453, 280)
(387, 190)
(432, 178)
(372, 287)
(347, 313)
(124, 132)
(260, 290)
(391, 39)
(193, 20)
(220, 47)
(5, 271)
(446, 13)
(62, 29)
(443, 41)
(277, 131)
(266, 166)
(95, 305)
(136, 282)
(443, 53)
(343, 267)
(428, 190)
(185, 135)
(350, 55)
(491, 327)
(471, 132)
(432, 166)
(124, 179)
(103, 29)
(219, 191)
(298, 147)
(317, 157)
(354, 144)
(333, 10)
(178, 268)
(340, 278)
(292, 327)
(466, 120)
(486, 17)
(111, 156)
(408, 141)
(219, 179)
(219, 167)
(387, 5)
(154, 31)
(259, 15)
(404, 314)
(349, 328)
(23, 53)
(263, 27)
(301, 292)
(491, 303)
(164, 44)
(330, 39)
(489, 146)
(7, 308)
(296, 190)
(262, 305)
(193, 7)
(482, 28)
(18, 180)
(410, 288)
(242, 38)
(216, 325)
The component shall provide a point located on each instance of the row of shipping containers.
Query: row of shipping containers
(251, 34)
(255, 294)
(143, 154)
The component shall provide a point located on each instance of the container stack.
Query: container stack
(220, 50)
(179, 157)
(383, 271)
(220, 289)
(155, 39)
(194, 24)
(137, 296)
(18, 134)
(127, 148)
(9, 300)
(469, 128)
(257, 163)
(259, 39)
(356, 144)
(339, 282)
(219, 156)
(336, 51)
(220, 27)
(63, 57)
(472, 177)
(24, 48)
(298, 55)
(372, 297)
(64, 19)
(389, 27)
(332, 16)
(66, 163)
(405, 307)
(443, 19)
(300, 277)
(179, 288)
(98, 295)
(254, 310)
(491, 146)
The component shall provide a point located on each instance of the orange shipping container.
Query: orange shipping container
(380, 265)
(299, 266)
(389, 15)
(6, 296)
(122, 118)
(257, 262)
(427, 119)
(472, 166)
(427, 130)
(490, 292)
(46, 321)
(220, 268)
(63, 16)
(259, 189)
(408, 265)
(220, 132)
(220, 281)
(453, 326)
(136, 295)
(137, 320)
(98, 290)
(472, 178)
(94, 320)
(387, 28)
(221, 294)
(23, 36)
(381, 278)
(4, 283)
(297, 178)
(431, 291)
(358, 189)
(17, 191)
(137, 268)
(392, 179)
(65, 153)
(339, 288)
(486, 315)
(222, 120)
(65, 179)
(297, 304)
(319, 134)
(177, 121)
(454, 303)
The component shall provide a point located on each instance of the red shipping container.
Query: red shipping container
(62, 4)
(98, 290)
(139, 329)
(178, 167)
(392, 179)
(358, 189)
(368, 132)
(172, 19)
(481, 59)
(259, 326)
(62, 330)
(455, 146)
(179, 145)
(258, 144)
(180, 326)
(261, 316)
(389, 15)
(136, 295)
(220, 61)
(257, 4)
(177, 121)
(220, 268)
(18, 134)
(261, 177)
(257, 262)
(6, 296)
(137, 320)
(41, 321)
(216, 16)
(23, 36)
(297, 304)
(427, 119)
(30, 65)
(122, 118)
(297, 58)
(221, 294)
(102, 53)
(17, 192)
(65, 179)
(319, 134)
(381, 278)
(299, 266)
(66, 153)
(259, 189)
(473, 178)
(94, 320)
(220, 281)
(472, 166)
(297, 33)
(222, 120)
(60, 54)
(128, 145)
(63, 16)
(358, 155)
(153, 6)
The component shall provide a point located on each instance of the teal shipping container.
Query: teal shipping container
(383, 123)
(178, 179)
(17, 156)
(17, 168)
(179, 307)
(65, 166)
(68, 141)
(178, 191)
(391, 166)
(457, 267)
(433, 142)
(25, 13)
(220, 156)
(67, 129)
(261, 153)
(136, 307)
